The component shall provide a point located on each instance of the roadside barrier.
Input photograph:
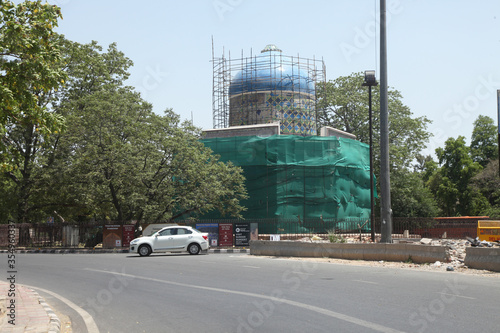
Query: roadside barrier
(483, 258)
(378, 251)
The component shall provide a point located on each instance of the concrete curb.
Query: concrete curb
(229, 251)
(483, 258)
(371, 251)
(96, 251)
(68, 251)
(55, 322)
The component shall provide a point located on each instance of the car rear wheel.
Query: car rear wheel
(144, 250)
(194, 248)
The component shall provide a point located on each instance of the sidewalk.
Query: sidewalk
(31, 314)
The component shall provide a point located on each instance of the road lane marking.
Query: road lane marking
(362, 281)
(337, 315)
(87, 318)
(456, 295)
(250, 266)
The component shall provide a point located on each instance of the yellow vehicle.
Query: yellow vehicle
(488, 230)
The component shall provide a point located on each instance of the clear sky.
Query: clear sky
(443, 56)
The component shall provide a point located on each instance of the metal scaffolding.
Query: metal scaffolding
(248, 74)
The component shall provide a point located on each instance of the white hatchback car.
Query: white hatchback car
(171, 239)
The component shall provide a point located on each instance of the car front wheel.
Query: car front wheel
(144, 250)
(194, 248)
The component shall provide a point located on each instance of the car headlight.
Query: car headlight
(134, 241)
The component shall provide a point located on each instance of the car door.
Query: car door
(164, 240)
(183, 237)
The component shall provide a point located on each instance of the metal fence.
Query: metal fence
(53, 235)
(407, 227)
(89, 235)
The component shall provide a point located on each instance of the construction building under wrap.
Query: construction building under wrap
(264, 112)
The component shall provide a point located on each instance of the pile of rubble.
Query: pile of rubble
(455, 248)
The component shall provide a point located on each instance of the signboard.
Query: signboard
(127, 234)
(50, 220)
(110, 235)
(242, 234)
(225, 234)
(213, 232)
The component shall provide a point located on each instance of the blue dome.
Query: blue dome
(272, 71)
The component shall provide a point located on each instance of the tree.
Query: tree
(484, 145)
(425, 166)
(186, 179)
(488, 183)
(135, 165)
(343, 104)
(410, 197)
(115, 158)
(30, 71)
(451, 184)
(87, 70)
(92, 74)
(118, 160)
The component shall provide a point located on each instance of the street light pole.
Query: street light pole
(371, 81)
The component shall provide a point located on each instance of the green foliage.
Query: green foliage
(484, 143)
(343, 104)
(493, 212)
(55, 182)
(136, 165)
(333, 237)
(425, 166)
(451, 184)
(30, 71)
(120, 160)
(410, 197)
(115, 159)
(488, 183)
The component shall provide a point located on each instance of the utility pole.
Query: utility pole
(385, 180)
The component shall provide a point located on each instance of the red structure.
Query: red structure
(454, 227)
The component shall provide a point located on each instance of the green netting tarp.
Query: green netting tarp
(290, 177)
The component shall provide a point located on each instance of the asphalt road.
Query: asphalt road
(243, 293)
